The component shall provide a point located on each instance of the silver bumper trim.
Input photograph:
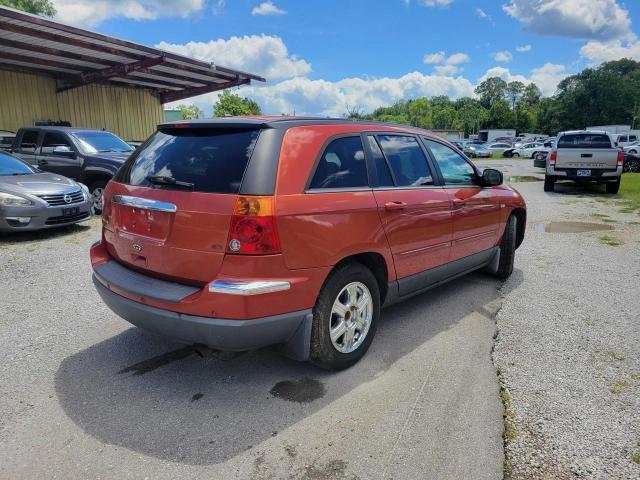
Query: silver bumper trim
(144, 203)
(238, 287)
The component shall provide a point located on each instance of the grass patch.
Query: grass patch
(636, 458)
(32, 247)
(627, 210)
(599, 215)
(611, 241)
(609, 220)
(619, 386)
(630, 189)
(612, 355)
(634, 223)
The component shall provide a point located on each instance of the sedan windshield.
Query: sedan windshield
(101, 142)
(12, 166)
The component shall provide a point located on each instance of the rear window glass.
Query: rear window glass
(342, 165)
(584, 140)
(210, 161)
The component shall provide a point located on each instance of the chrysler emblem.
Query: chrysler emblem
(67, 198)
(137, 247)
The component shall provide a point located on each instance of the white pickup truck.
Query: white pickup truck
(585, 155)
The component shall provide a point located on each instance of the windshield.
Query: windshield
(12, 166)
(100, 142)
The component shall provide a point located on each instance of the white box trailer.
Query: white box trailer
(491, 135)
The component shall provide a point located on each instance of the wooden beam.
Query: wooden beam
(54, 37)
(121, 70)
(192, 92)
(55, 52)
(40, 61)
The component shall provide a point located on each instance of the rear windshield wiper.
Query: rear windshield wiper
(163, 180)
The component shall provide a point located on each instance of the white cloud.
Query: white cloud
(262, 54)
(84, 13)
(504, 74)
(437, 3)
(434, 57)
(524, 48)
(457, 58)
(305, 96)
(548, 76)
(267, 8)
(598, 52)
(447, 69)
(586, 19)
(503, 56)
(482, 14)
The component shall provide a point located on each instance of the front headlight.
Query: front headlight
(10, 200)
(85, 190)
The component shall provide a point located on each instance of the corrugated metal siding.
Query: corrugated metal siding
(129, 113)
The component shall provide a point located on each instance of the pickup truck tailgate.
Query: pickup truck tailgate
(587, 158)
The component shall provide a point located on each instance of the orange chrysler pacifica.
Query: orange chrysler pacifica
(239, 233)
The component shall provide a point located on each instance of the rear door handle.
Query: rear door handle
(395, 205)
(42, 162)
(458, 203)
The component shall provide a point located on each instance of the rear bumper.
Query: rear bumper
(292, 330)
(597, 173)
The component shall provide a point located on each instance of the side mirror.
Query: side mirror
(63, 151)
(491, 177)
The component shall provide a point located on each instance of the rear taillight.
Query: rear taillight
(620, 158)
(552, 158)
(253, 227)
(106, 209)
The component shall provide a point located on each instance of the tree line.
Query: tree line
(606, 95)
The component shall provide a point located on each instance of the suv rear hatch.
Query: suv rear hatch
(586, 150)
(169, 208)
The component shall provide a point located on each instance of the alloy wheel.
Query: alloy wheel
(351, 317)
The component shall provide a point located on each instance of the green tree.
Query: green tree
(230, 104)
(514, 92)
(531, 96)
(491, 90)
(190, 112)
(38, 7)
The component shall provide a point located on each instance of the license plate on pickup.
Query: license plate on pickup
(70, 212)
(584, 173)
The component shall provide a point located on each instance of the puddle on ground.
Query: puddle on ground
(523, 178)
(300, 391)
(569, 227)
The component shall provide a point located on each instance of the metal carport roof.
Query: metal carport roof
(77, 57)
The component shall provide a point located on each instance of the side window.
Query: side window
(382, 173)
(632, 138)
(52, 140)
(406, 159)
(455, 169)
(622, 138)
(342, 165)
(29, 141)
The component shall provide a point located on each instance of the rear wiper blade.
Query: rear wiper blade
(163, 180)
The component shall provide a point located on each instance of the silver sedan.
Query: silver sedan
(33, 200)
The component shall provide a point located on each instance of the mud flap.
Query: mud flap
(298, 347)
(492, 266)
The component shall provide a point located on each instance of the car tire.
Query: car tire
(97, 190)
(549, 183)
(515, 154)
(507, 249)
(633, 152)
(345, 287)
(613, 187)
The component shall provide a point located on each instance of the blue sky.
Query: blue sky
(321, 57)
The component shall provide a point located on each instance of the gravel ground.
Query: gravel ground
(98, 399)
(567, 350)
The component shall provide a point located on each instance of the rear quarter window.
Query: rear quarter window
(214, 161)
(584, 140)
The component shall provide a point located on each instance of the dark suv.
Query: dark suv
(244, 232)
(91, 157)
